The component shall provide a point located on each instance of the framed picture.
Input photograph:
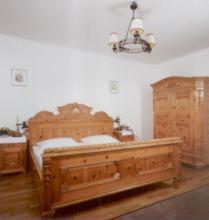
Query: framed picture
(113, 87)
(19, 77)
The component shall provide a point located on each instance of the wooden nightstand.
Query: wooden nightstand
(123, 138)
(13, 154)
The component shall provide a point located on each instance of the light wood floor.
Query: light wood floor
(18, 198)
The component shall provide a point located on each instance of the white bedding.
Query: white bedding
(37, 154)
(99, 139)
(39, 148)
(10, 140)
(38, 151)
(54, 142)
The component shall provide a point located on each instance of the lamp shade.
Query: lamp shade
(137, 26)
(113, 39)
(151, 40)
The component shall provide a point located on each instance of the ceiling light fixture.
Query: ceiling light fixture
(133, 42)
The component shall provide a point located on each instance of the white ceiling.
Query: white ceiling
(180, 26)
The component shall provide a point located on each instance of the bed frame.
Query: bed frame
(74, 175)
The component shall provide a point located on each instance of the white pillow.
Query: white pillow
(57, 142)
(99, 139)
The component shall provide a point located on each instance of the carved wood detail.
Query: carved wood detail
(75, 178)
(47, 184)
(54, 152)
(47, 172)
(181, 109)
(73, 175)
(74, 120)
(153, 164)
(90, 175)
(12, 157)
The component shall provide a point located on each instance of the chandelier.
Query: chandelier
(133, 42)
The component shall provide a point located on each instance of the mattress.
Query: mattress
(37, 154)
(38, 151)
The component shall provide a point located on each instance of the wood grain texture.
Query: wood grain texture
(181, 108)
(77, 174)
(74, 120)
(13, 158)
(21, 188)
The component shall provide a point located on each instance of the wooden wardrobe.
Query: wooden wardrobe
(181, 108)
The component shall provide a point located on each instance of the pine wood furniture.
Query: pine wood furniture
(181, 108)
(22, 188)
(13, 155)
(73, 175)
(123, 138)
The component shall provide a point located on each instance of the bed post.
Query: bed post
(46, 199)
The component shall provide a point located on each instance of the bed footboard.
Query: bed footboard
(75, 175)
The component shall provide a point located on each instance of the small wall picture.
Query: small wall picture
(113, 87)
(19, 77)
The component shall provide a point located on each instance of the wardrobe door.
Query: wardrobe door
(183, 118)
(162, 114)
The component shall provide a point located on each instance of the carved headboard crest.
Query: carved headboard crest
(73, 120)
(72, 111)
(75, 110)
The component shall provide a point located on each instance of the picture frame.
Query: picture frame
(19, 77)
(113, 87)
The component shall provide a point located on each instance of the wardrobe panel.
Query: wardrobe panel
(162, 116)
(182, 117)
(181, 108)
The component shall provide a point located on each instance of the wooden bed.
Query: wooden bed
(74, 175)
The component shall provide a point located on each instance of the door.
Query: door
(162, 114)
(182, 117)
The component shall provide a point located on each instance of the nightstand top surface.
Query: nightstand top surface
(11, 140)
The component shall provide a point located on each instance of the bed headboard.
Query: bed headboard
(74, 120)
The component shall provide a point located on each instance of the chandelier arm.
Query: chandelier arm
(128, 29)
(130, 25)
(142, 43)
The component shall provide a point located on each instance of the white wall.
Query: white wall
(48, 69)
(193, 64)
(57, 76)
(133, 103)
